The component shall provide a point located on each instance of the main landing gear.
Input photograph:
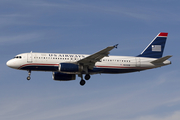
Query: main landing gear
(29, 74)
(83, 82)
(87, 76)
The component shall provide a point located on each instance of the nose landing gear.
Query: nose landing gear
(29, 74)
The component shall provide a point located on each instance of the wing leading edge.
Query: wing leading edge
(96, 57)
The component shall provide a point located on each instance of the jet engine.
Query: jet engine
(63, 76)
(69, 67)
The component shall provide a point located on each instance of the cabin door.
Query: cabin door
(29, 57)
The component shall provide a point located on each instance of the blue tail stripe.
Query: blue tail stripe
(159, 44)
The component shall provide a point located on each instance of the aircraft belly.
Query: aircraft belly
(115, 70)
(39, 67)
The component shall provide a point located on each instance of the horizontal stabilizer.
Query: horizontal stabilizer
(161, 60)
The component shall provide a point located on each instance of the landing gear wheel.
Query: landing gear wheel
(29, 73)
(82, 82)
(87, 76)
(28, 78)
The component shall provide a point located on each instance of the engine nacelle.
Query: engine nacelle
(63, 77)
(69, 67)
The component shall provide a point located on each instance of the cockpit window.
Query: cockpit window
(18, 57)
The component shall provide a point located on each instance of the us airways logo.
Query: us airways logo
(156, 48)
(67, 55)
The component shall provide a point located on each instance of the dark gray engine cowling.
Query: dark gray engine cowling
(69, 67)
(63, 76)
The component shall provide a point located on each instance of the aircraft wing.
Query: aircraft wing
(96, 57)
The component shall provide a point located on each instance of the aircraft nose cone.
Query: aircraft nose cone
(10, 64)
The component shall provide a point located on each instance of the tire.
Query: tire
(87, 76)
(82, 82)
(28, 78)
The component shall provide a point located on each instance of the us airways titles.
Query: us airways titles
(66, 55)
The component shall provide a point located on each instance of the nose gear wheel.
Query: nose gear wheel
(29, 74)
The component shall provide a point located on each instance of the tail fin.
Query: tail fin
(156, 47)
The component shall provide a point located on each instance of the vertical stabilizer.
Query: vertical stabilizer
(156, 48)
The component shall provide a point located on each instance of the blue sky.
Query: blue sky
(81, 26)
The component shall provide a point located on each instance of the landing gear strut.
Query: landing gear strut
(29, 74)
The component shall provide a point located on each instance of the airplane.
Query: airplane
(65, 67)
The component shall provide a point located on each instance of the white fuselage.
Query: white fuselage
(112, 64)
